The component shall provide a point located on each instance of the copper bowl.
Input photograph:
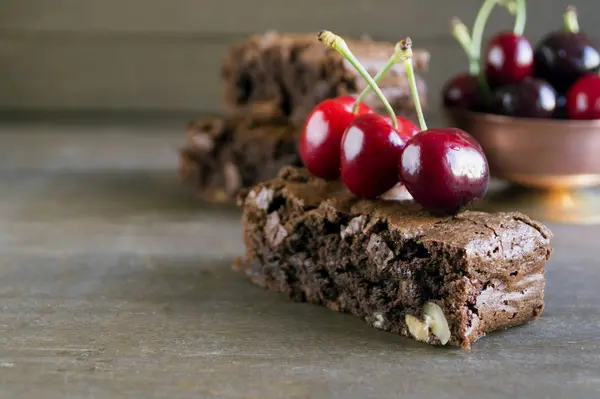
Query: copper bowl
(552, 161)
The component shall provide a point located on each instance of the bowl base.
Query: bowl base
(580, 207)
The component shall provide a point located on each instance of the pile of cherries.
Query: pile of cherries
(558, 78)
(443, 169)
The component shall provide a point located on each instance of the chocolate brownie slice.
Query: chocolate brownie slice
(284, 76)
(441, 280)
(223, 155)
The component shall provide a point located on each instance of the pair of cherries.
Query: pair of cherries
(443, 169)
(362, 147)
(569, 60)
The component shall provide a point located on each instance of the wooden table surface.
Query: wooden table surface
(114, 283)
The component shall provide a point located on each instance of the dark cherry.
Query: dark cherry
(561, 107)
(322, 134)
(462, 91)
(508, 59)
(444, 170)
(532, 98)
(369, 156)
(563, 57)
(583, 99)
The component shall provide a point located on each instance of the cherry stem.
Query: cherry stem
(571, 21)
(394, 59)
(338, 44)
(479, 26)
(404, 49)
(476, 38)
(520, 18)
(510, 5)
(463, 37)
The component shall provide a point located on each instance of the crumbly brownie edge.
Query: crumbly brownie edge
(308, 249)
(223, 156)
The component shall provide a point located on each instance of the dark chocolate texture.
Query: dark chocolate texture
(385, 261)
(224, 155)
(284, 76)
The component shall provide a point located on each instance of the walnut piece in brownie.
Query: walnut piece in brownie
(284, 76)
(441, 280)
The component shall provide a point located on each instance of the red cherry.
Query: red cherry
(406, 127)
(322, 134)
(444, 169)
(508, 59)
(583, 98)
(462, 91)
(370, 150)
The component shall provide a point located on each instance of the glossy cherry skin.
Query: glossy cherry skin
(322, 134)
(508, 59)
(583, 99)
(369, 156)
(406, 127)
(462, 92)
(563, 57)
(532, 98)
(444, 170)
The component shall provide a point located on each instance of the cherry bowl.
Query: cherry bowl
(551, 163)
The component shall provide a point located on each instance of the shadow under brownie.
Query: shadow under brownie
(440, 280)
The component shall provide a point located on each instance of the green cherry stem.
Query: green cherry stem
(394, 59)
(404, 48)
(520, 18)
(479, 26)
(477, 37)
(510, 5)
(571, 21)
(463, 37)
(338, 44)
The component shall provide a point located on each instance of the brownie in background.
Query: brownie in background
(223, 155)
(284, 76)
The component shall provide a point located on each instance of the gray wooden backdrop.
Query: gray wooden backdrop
(146, 55)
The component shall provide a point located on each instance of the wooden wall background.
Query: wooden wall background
(164, 55)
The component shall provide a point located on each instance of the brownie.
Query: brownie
(223, 155)
(441, 280)
(284, 76)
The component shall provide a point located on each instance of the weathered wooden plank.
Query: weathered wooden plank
(383, 18)
(109, 73)
(114, 285)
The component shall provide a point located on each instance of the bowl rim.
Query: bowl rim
(502, 119)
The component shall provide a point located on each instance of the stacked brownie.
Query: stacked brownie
(226, 154)
(270, 84)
